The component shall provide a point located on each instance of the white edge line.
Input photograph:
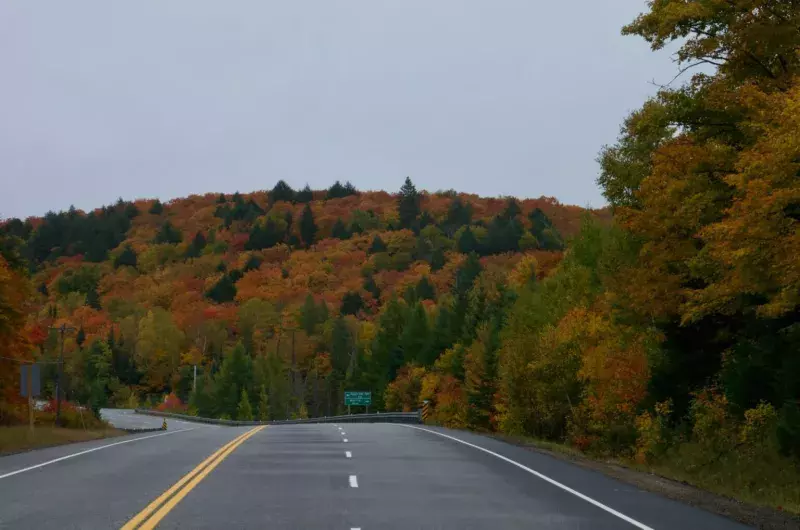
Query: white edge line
(353, 481)
(348, 454)
(91, 451)
(578, 494)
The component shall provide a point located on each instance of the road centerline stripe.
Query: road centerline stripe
(345, 440)
(578, 494)
(348, 454)
(353, 481)
(164, 503)
(73, 455)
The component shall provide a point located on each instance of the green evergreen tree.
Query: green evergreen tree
(341, 346)
(351, 303)
(458, 215)
(305, 195)
(467, 242)
(263, 404)
(157, 208)
(377, 245)
(235, 375)
(126, 257)
(81, 337)
(195, 248)
(282, 192)
(93, 299)
(425, 290)
(252, 263)
(308, 228)
(244, 411)
(408, 205)
(415, 338)
(371, 287)
(309, 315)
(223, 291)
(438, 259)
(339, 230)
(168, 234)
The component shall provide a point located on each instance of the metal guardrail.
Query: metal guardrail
(388, 417)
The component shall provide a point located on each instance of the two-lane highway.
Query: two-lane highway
(345, 476)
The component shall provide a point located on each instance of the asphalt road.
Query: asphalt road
(128, 419)
(308, 476)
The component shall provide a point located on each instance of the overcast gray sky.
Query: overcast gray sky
(164, 98)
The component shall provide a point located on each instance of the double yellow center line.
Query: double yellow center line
(148, 518)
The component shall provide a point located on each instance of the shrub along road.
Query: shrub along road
(321, 476)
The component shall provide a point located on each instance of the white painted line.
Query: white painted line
(348, 454)
(344, 433)
(353, 481)
(345, 441)
(578, 494)
(355, 529)
(23, 470)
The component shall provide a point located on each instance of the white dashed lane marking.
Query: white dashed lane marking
(353, 481)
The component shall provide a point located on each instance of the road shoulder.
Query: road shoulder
(756, 516)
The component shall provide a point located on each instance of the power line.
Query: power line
(20, 361)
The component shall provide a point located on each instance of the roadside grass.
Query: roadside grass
(17, 438)
(768, 481)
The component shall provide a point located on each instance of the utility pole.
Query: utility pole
(59, 383)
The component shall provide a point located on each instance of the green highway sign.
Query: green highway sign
(358, 398)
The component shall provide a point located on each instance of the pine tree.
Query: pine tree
(467, 242)
(244, 411)
(438, 259)
(351, 303)
(308, 315)
(81, 337)
(93, 299)
(339, 230)
(263, 404)
(305, 195)
(168, 234)
(308, 228)
(377, 245)
(157, 208)
(341, 345)
(253, 263)
(127, 257)
(458, 215)
(282, 192)
(415, 338)
(223, 291)
(424, 289)
(371, 287)
(408, 205)
(426, 219)
(197, 245)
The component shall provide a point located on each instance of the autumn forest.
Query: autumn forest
(663, 329)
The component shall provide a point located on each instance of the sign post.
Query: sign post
(29, 386)
(360, 399)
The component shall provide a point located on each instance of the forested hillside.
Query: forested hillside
(286, 297)
(665, 330)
